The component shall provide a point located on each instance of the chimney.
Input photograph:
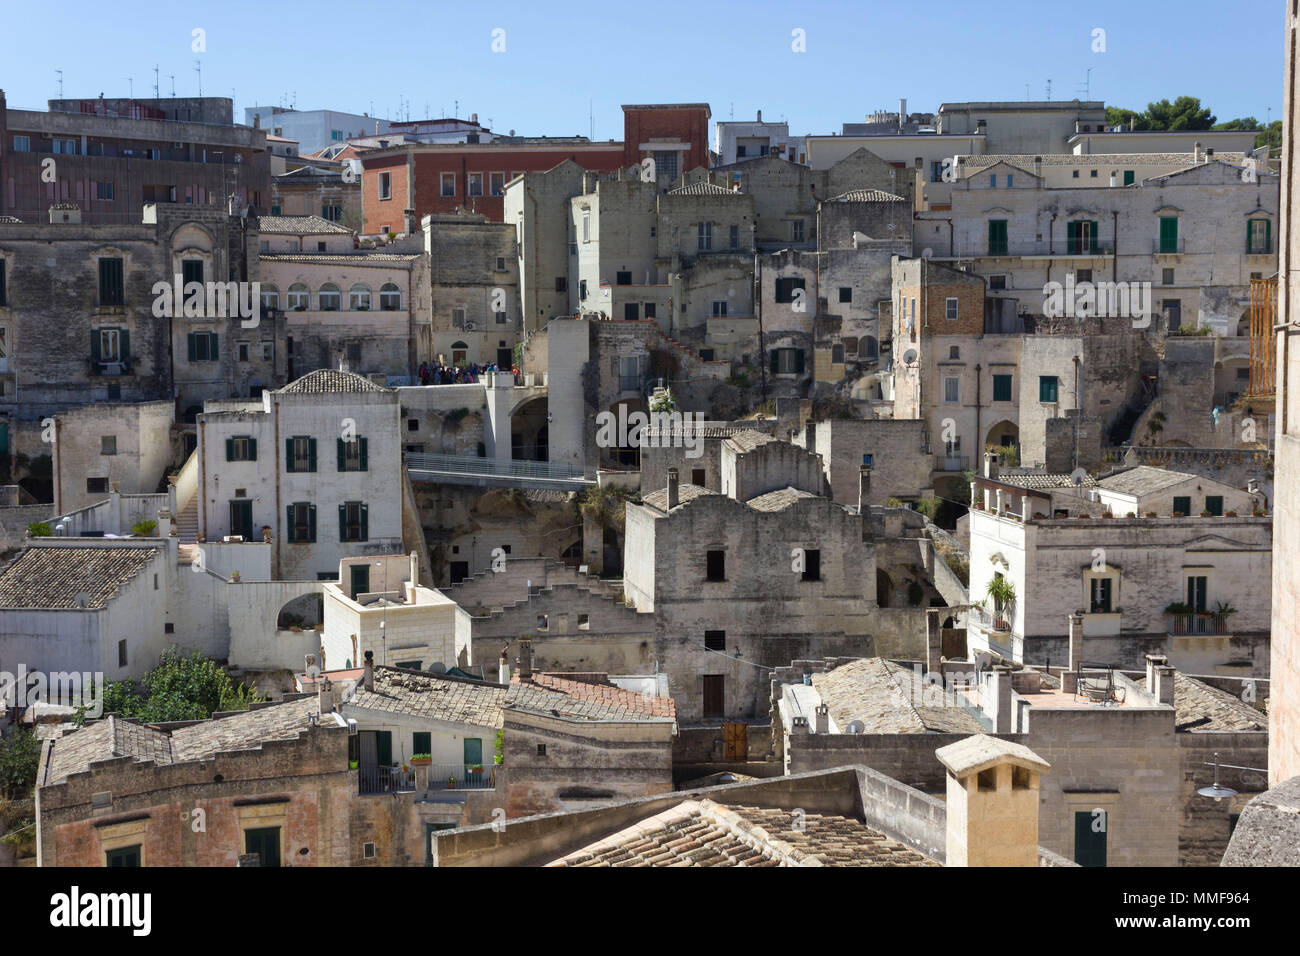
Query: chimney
(864, 488)
(902, 114)
(1114, 179)
(760, 117)
(368, 681)
(933, 639)
(997, 698)
(672, 489)
(1197, 155)
(992, 802)
(503, 666)
(1076, 641)
(799, 725)
(823, 719)
(1160, 679)
(325, 695)
(1038, 166)
(525, 660)
(990, 464)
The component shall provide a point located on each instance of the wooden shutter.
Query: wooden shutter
(288, 455)
(365, 522)
(252, 449)
(212, 347)
(343, 454)
(1093, 236)
(230, 449)
(385, 746)
(311, 454)
(190, 341)
(343, 522)
(776, 360)
(798, 361)
(364, 459)
(124, 344)
(288, 520)
(311, 522)
(94, 345)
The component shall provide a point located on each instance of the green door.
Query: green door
(360, 578)
(241, 518)
(997, 237)
(1090, 837)
(123, 856)
(384, 743)
(1168, 233)
(473, 752)
(265, 842)
(1128, 177)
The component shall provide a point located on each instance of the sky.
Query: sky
(560, 68)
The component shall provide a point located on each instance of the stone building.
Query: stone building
(537, 204)
(317, 189)
(897, 451)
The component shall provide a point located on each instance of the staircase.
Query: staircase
(187, 523)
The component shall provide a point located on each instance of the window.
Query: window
(241, 448)
(846, 293)
(298, 297)
(497, 184)
(704, 236)
(390, 297)
(1259, 237)
(665, 166)
(1100, 602)
(202, 346)
(329, 299)
(1197, 592)
(796, 230)
(1182, 504)
(268, 350)
(385, 185)
(1083, 275)
(476, 184)
(359, 298)
(108, 446)
(448, 185)
(265, 842)
(121, 653)
(787, 362)
(714, 688)
(354, 521)
(302, 523)
(582, 289)
(720, 309)
(421, 740)
(561, 284)
(353, 455)
(541, 750)
(1001, 388)
(997, 237)
(104, 191)
(22, 144)
(733, 237)
(300, 454)
(586, 227)
(952, 389)
(1168, 234)
(331, 211)
(1081, 237)
(812, 564)
(1166, 276)
(837, 354)
(97, 486)
(785, 288)
(1214, 505)
(1010, 180)
(1092, 174)
(1047, 388)
(1090, 837)
(715, 566)
(715, 640)
(698, 476)
(123, 856)
(631, 311)
(111, 288)
(997, 283)
(950, 309)
(623, 278)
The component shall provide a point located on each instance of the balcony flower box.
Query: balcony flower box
(1258, 513)
(421, 760)
(1230, 514)
(1152, 514)
(1207, 514)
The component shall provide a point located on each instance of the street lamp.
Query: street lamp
(1216, 790)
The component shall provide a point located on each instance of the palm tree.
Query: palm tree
(1003, 595)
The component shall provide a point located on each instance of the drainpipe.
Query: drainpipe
(979, 381)
(758, 310)
(58, 471)
(1051, 249)
(1078, 418)
(1114, 253)
(279, 532)
(951, 246)
(203, 483)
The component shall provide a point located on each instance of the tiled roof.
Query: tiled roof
(703, 833)
(10, 219)
(329, 381)
(890, 699)
(708, 430)
(557, 694)
(1026, 161)
(339, 258)
(117, 737)
(778, 500)
(1198, 706)
(685, 492)
(702, 189)
(434, 696)
(52, 577)
(982, 751)
(1043, 480)
(747, 439)
(300, 226)
(867, 195)
(1143, 480)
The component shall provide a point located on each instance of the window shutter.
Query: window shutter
(1268, 235)
(288, 454)
(288, 522)
(124, 347)
(775, 361)
(364, 458)
(343, 522)
(343, 454)
(94, 344)
(252, 449)
(189, 341)
(230, 449)
(365, 522)
(798, 361)
(1092, 229)
(311, 522)
(311, 454)
(212, 347)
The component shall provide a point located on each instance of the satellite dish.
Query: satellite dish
(438, 668)
(909, 356)
(856, 727)
(313, 672)
(1078, 475)
(927, 252)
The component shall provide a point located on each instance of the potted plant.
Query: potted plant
(352, 765)
(1177, 514)
(1152, 514)
(266, 533)
(421, 760)
(234, 576)
(1002, 594)
(1230, 514)
(1207, 514)
(1180, 613)
(1131, 514)
(451, 782)
(144, 529)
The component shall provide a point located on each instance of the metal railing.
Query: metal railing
(389, 779)
(498, 468)
(951, 462)
(443, 776)
(1204, 625)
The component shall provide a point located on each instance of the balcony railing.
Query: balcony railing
(1168, 247)
(443, 776)
(1201, 625)
(951, 462)
(986, 620)
(390, 779)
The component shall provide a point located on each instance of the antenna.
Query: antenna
(172, 77)
(1049, 91)
(198, 68)
(60, 72)
(1087, 84)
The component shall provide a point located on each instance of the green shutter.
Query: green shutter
(384, 745)
(364, 459)
(311, 523)
(421, 742)
(1268, 235)
(252, 449)
(343, 454)
(311, 454)
(1168, 233)
(190, 343)
(230, 449)
(1089, 838)
(343, 522)
(1128, 177)
(776, 360)
(997, 237)
(94, 344)
(365, 522)
(212, 347)
(288, 454)
(1001, 388)
(473, 752)
(798, 361)
(124, 346)
(1094, 234)
(288, 521)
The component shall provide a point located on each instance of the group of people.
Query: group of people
(438, 374)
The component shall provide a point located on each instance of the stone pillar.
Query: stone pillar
(933, 638)
(992, 802)
(1076, 641)
(996, 698)
(864, 488)
(991, 465)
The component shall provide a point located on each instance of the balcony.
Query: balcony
(387, 779)
(374, 781)
(1061, 248)
(443, 776)
(1205, 624)
(1168, 247)
(952, 463)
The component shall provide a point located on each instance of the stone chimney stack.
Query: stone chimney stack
(991, 465)
(503, 667)
(864, 488)
(673, 496)
(799, 725)
(1160, 679)
(992, 802)
(1076, 641)
(525, 660)
(997, 698)
(369, 679)
(823, 719)
(933, 639)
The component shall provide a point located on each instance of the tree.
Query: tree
(1241, 123)
(1119, 116)
(1184, 113)
(20, 755)
(179, 688)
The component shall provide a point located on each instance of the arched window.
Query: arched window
(270, 297)
(459, 350)
(329, 298)
(299, 297)
(390, 297)
(359, 298)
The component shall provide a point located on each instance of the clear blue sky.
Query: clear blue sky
(733, 54)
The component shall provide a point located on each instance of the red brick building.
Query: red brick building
(675, 136)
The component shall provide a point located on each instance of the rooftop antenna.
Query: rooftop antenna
(591, 118)
(172, 77)
(155, 82)
(731, 113)
(456, 106)
(60, 72)
(198, 68)
(1026, 92)
(1087, 84)
(1049, 91)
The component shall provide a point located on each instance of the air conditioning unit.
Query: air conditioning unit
(469, 326)
(178, 145)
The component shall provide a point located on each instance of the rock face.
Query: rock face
(1268, 833)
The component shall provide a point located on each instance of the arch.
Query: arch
(305, 610)
(1003, 433)
(459, 353)
(884, 588)
(329, 298)
(390, 297)
(868, 347)
(572, 555)
(359, 297)
(1243, 325)
(270, 296)
(191, 414)
(298, 298)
